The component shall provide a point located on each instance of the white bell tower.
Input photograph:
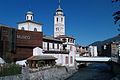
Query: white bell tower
(29, 16)
(59, 22)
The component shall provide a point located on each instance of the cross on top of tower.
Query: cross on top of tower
(59, 1)
(59, 8)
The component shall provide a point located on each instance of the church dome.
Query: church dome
(59, 9)
(30, 12)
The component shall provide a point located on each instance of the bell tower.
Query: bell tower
(29, 16)
(59, 22)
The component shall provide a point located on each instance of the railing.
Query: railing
(93, 59)
(56, 51)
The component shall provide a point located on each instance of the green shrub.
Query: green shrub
(10, 69)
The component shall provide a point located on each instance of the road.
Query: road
(95, 71)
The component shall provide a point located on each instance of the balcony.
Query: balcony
(55, 51)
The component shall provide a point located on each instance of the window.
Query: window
(44, 45)
(105, 47)
(35, 29)
(64, 47)
(68, 40)
(71, 40)
(66, 60)
(57, 19)
(71, 59)
(27, 17)
(57, 46)
(57, 29)
(61, 19)
(53, 46)
(64, 40)
(48, 46)
(31, 18)
(22, 28)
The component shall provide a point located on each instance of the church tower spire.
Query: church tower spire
(59, 10)
(59, 22)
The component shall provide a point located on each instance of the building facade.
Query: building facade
(18, 44)
(54, 47)
(93, 51)
(25, 42)
(7, 42)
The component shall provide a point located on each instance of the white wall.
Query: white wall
(37, 51)
(44, 45)
(61, 58)
(60, 25)
(29, 26)
(72, 54)
(93, 50)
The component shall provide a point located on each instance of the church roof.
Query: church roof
(30, 12)
(59, 9)
(65, 36)
(51, 38)
(30, 22)
(4, 25)
(42, 57)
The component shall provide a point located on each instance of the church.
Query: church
(29, 35)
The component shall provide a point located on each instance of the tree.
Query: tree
(115, 1)
(116, 16)
(117, 13)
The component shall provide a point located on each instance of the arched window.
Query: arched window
(71, 59)
(22, 28)
(61, 19)
(31, 18)
(57, 19)
(27, 17)
(35, 29)
(66, 60)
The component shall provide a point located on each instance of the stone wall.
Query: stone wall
(58, 73)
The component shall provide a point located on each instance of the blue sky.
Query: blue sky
(87, 20)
